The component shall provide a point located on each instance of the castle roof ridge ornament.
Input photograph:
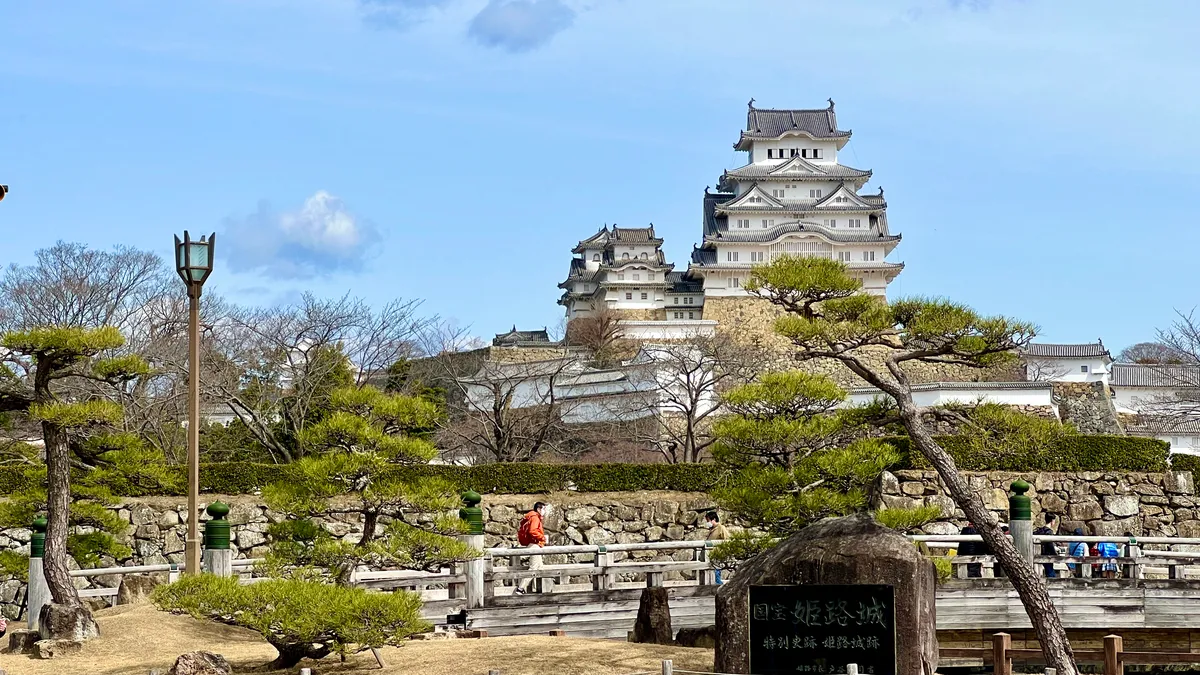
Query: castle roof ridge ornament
(831, 103)
(750, 105)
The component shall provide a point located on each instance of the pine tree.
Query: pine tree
(43, 362)
(826, 316)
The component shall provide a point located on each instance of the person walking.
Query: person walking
(1108, 549)
(1078, 550)
(1048, 547)
(716, 532)
(532, 534)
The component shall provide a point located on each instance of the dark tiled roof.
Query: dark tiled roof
(680, 284)
(770, 234)
(713, 222)
(1154, 375)
(515, 336)
(704, 256)
(624, 235)
(766, 123)
(1150, 426)
(1067, 351)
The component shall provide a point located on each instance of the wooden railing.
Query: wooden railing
(1114, 657)
(1144, 557)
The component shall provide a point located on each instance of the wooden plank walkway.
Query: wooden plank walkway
(967, 611)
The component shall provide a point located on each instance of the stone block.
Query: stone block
(248, 539)
(1179, 483)
(502, 514)
(675, 532)
(168, 519)
(697, 637)
(136, 588)
(1122, 506)
(654, 533)
(995, 499)
(653, 624)
(626, 513)
(1101, 489)
(912, 488)
(579, 514)
(1117, 528)
(21, 640)
(1085, 510)
(1188, 529)
(940, 528)
(1052, 503)
(150, 532)
(598, 535)
(889, 484)
(65, 622)
(600, 516)
(48, 649)
(141, 514)
(851, 550)
(200, 663)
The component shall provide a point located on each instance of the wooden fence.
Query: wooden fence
(1114, 657)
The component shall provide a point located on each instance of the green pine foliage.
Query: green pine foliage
(794, 457)
(300, 618)
(351, 469)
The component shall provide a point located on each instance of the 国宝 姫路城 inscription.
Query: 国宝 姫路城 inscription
(822, 628)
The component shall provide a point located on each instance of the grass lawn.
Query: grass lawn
(135, 639)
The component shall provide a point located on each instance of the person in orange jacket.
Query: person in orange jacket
(531, 534)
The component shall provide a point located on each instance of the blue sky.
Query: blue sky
(1038, 155)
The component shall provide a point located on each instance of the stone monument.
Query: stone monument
(840, 591)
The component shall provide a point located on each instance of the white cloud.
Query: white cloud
(520, 25)
(318, 239)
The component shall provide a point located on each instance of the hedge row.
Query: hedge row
(1071, 453)
(1185, 463)
(1068, 453)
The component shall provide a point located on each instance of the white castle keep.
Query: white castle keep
(792, 197)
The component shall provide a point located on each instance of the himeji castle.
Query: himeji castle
(792, 197)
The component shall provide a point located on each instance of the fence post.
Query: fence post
(1020, 524)
(1135, 570)
(474, 570)
(38, 592)
(1113, 646)
(218, 559)
(601, 581)
(667, 667)
(705, 577)
(1001, 659)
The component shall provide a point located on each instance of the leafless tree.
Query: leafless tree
(1041, 370)
(1151, 353)
(600, 333)
(1174, 366)
(272, 367)
(501, 410)
(679, 385)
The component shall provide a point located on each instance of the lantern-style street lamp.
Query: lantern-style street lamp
(194, 262)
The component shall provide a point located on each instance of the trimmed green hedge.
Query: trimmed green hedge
(1185, 463)
(1071, 453)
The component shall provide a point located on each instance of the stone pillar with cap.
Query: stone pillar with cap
(38, 593)
(218, 558)
(474, 570)
(1020, 518)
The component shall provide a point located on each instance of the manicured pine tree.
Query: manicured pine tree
(827, 317)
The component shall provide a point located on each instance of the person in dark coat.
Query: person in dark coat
(1048, 548)
(974, 570)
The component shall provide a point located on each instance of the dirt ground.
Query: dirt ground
(136, 639)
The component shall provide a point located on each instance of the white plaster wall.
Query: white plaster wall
(758, 151)
(1068, 370)
(1036, 397)
(670, 329)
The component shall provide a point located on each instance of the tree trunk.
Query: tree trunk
(291, 653)
(1029, 585)
(58, 506)
(370, 522)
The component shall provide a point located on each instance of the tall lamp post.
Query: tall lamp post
(194, 262)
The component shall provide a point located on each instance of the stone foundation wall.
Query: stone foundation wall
(1101, 504)
(753, 319)
(1089, 406)
(158, 527)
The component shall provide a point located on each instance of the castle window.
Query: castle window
(687, 300)
(645, 255)
(735, 282)
(743, 222)
(768, 223)
(650, 276)
(643, 296)
(624, 256)
(795, 152)
(678, 315)
(677, 301)
(1083, 368)
(816, 153)
(770, 154)
(777, 193)
(854, 222)
(595, 257)
(620, 277)
(804, 153)
(831, 222)
(844, 256)
(629, 296)
(815, 194)
(691, 315)
(868, 255)
(731, 256)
